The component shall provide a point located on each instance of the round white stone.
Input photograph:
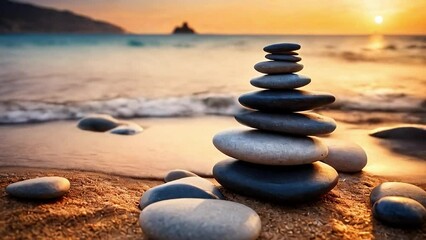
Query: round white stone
(206, 219)
(39, 188)
(345, 156)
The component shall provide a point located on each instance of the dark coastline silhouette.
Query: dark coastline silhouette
(27, 18)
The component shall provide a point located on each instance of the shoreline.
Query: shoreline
(106, 206)
(181, 143)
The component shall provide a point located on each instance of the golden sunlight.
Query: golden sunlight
(378, 19)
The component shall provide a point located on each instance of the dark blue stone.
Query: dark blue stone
(283, 57)
(413, 132)
(276, 183)
(280, 81)
(189, 187)
(281, 47)
(178, 174)
(398, 189)
(292, 123)
(285, 100)
(399, 212)
(97, 123)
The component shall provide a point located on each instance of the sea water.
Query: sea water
(45, 77)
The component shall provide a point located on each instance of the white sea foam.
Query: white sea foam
(187, 106)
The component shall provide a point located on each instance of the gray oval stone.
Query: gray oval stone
(280, 81)
(414, 132)
(281, 47)
(190, 187)
(178, 174)
(269, 148)
(274, 67)
(399, 212)
(98, 123)
(345, 156)
(285, 100)
(127, 129)
(398, 189)
(283, 57)
(292, 123)
(39, 188)
(276, 183)
(187, 219)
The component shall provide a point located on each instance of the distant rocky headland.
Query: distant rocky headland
(184, 29)
(26, 18)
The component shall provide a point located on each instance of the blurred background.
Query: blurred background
(136, 58)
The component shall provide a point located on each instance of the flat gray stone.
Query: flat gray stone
(285, 100)
(269, 148)
(283, 57)
(399, 212)
(292, 123)
(127, 129)
(280, 184)
(98, 123)
(406, 131)
(39, 188)
(274, 67)
(280, 81)
(281, 47)
(187, 219)
(189, 187)
(345, 156)
(398, 189)
(178, 174)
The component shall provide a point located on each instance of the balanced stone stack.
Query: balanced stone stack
(278, 160)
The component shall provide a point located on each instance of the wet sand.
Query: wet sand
(101, 206)
(171, 143)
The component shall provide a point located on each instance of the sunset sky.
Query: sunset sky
(256, 16)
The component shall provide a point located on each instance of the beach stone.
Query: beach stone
(414, 132)
(274, 67)
(283, 57)
(127, 129)
(98, 123)
(276, 183)
(285, 100)
(39, 188)
(399, 212)
(292, 123)
(189, 187)
(281, 47)
(281, 81)
(398, 189)
(269, 148)
(345, 156)
(186, 219)
(178, 174)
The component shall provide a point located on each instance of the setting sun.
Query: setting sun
(378, 19)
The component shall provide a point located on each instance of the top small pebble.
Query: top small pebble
(281, 47)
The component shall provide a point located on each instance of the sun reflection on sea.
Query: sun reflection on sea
(376, 42)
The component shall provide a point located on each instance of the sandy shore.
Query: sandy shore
(101, 206)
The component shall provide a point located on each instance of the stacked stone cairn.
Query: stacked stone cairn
(278, 160)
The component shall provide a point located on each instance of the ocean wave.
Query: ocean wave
(187, 106)
(32, 111)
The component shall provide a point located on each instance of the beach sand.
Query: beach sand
(101, 206)
(109, 173)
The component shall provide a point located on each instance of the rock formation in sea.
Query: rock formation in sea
(184, 29)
